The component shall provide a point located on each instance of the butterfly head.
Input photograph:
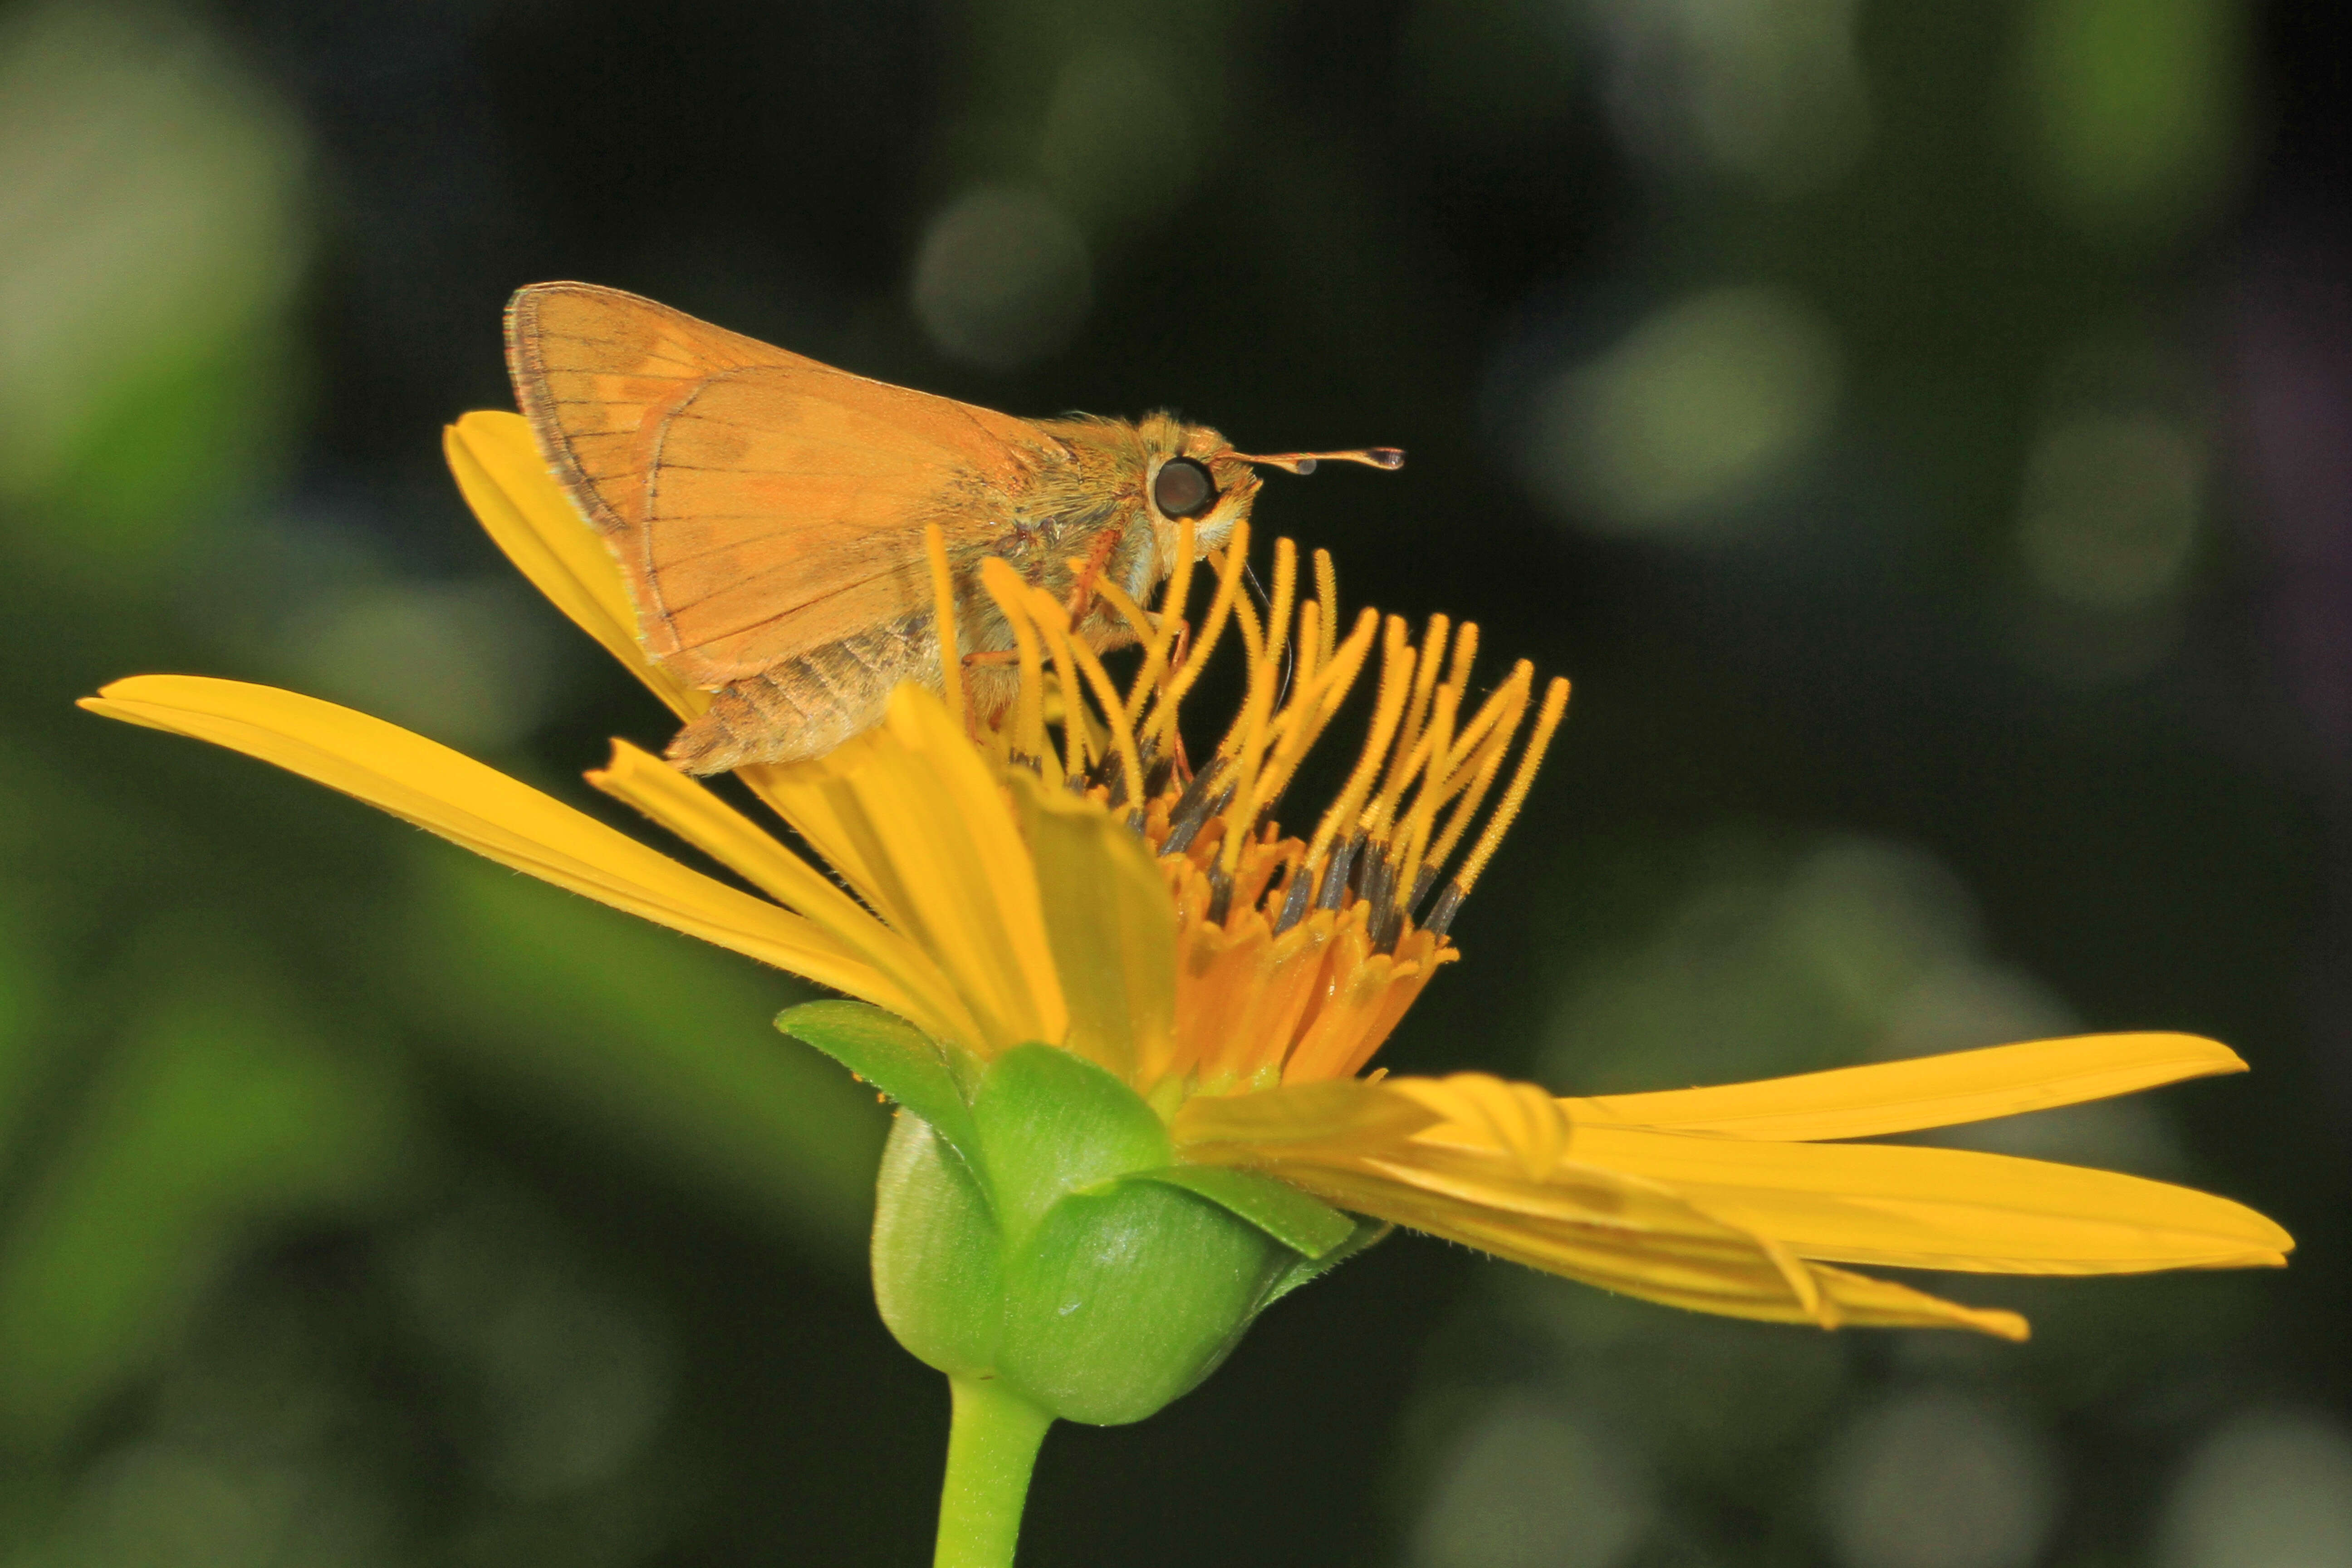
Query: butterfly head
(1194, 473)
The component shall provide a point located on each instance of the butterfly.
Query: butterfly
(769, 513)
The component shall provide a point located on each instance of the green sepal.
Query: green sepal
(1123, 1299)
(1306, 1224)
(896, 1057)
(1034, 1227)
(938, 1257)
(1362, 1235)
(1052, 1124)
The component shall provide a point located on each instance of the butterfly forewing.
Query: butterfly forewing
(762, 505)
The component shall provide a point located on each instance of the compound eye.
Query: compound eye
(1183, 488)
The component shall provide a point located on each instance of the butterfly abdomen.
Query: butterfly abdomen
(812, 702)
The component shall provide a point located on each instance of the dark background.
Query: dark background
(1923, 432)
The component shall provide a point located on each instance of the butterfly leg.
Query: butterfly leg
(1082, 593)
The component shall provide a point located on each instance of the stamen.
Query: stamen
(943, 620)
(1493, 747)
(1311, 710)
(1192, 808)
(1429, 793)
(1181, 834)
(1220, 895)
(1327, 589)
(1229, 580)
(1466, 649)
(1335, 879)
(1433, 659)
(1396, 677)
(1295, 901)
(1005, 587)
(1078, 732)
(1157, 647)
(1555, 703)
(1122, 734)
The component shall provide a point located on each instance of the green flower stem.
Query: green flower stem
(991, 1448)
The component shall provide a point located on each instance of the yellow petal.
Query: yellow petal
(1409, 1151)
(524, 509)
(1482, 1111)
(695, 813)
(1653, 1246)
(1330, 1118)
(919, 824)
(1112, 927)
(437, 789)
(1943, 1208)
(1925, 1091)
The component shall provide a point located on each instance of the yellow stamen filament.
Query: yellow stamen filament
(1318, 702)
(1429, 794)
(1416, 713)
(1492, 743)
(1555, 703)
(943, 617)
(1121, 733)
(1228, 566)
(1005, 585)
(1163, 632)
(1327, 589)
(1396, 679)
(1077, 729)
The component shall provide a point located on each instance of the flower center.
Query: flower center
(1298, 954)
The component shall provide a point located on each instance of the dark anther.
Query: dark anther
(1442, 916)
(1112, 773)
(1376, 880)
(1135, 821)
(1076, 783)
(1334, 876)
(1157, 771)
(1220, 895)
(1294, 902)
(1424, 880)
(1184, 817)
(1183, 488)
(1181, 834)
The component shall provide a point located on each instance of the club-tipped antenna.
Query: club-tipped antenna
(1305, 462)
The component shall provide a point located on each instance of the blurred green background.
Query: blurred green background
(1924, 432)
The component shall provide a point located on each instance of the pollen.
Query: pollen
(1297, 953)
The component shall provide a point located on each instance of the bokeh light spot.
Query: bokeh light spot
(1939, 1479)
(2270, 1489)
(1698, 409)
(1527, 1486)
(1002, 278)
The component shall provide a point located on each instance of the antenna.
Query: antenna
(1305, 462)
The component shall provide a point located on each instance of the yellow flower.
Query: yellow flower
(1097, 894)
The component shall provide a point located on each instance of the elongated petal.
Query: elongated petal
(505, 481)
(427, 783)
(1943, 1208)
(1453, 1157)
(1648, 1245)
(1112, 927)
(695, 813)
(919, 826)
(1925, 1091)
